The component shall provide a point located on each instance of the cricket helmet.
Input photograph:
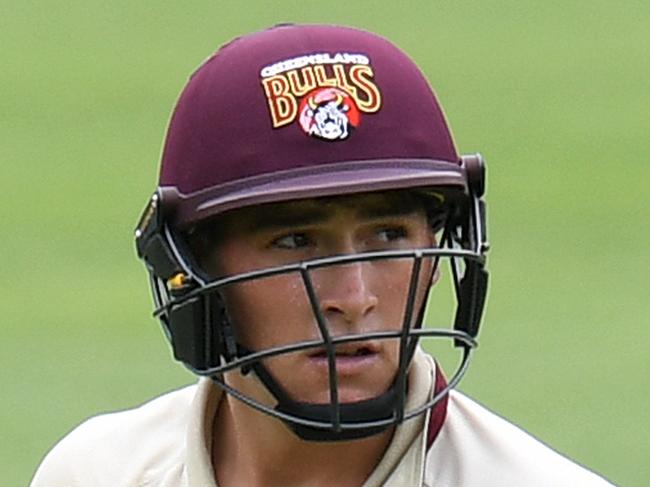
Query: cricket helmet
(308, 111)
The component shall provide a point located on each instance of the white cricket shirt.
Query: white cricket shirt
(167, 443)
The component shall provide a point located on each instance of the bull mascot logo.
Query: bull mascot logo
(329, 114)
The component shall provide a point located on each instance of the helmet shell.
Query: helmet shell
(246, 127)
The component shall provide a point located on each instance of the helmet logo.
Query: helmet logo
(328, 113)
(325, 93)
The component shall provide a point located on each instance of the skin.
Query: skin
(354, 298)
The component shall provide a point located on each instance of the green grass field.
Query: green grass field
(556, 95)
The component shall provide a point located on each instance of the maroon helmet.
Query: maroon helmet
(306, 111)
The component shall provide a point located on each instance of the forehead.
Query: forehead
(314, 210)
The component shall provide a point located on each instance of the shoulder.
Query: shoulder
(479, 448)
(121, 448)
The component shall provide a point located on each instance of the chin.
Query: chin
(356, 397)
(346, 396)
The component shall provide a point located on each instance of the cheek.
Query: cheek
(269, 312)
(397, 275)
(393, 288)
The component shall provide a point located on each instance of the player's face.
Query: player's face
(354, 298)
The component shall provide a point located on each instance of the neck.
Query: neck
(253, 449)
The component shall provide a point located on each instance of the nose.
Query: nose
(345, 292)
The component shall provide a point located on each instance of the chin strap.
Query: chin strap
(376, 409)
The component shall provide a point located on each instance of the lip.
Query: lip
(351, 358)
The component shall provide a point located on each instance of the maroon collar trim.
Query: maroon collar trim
(438, 412)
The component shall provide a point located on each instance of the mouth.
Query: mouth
(352, 349)
(350, 358)
(342, 353)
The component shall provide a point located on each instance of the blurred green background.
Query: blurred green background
(555, 94)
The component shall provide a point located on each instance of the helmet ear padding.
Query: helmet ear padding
(472, 289)
(188, 337)
(195, 339)
(189, 323)
(471, 299)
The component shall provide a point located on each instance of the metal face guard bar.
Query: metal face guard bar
(301, 267)
(408, 335)
(358, 425)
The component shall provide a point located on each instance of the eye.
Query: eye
(291, 241)
(390, 234)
